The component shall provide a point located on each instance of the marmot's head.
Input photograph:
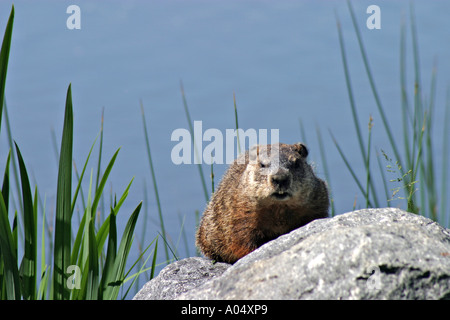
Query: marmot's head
(278, 173)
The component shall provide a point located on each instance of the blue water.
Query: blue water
(280, 58)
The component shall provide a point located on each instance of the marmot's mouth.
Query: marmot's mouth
(281, 195)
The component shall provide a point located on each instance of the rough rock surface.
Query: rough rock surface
(180, 277)
(366, 254)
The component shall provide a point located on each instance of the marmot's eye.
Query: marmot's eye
(264, 165)
(296, 163)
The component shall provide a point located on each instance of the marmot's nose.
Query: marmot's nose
(280, 181)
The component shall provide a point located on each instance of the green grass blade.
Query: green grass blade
(103, 230)
(108, 269)
(4, 58)
(183, 234)
(54, 144)
(44, 270)
(100, 152)
(350, 93)
(237, 125)
(373, 87)
(427, 168)
(14, 233)
(15, 170)
(78, 239)
(29, 262)
(35, 208)
(417, 84)
(81, 248)
(92, 285)
(404, 101)
(410, 199)
(141, 269)
(152, 273)
(170, 247)
(325, 169)
(84, 252)
(81, 177)
(43, 284)
(5, 185)
(102, 233)
(101, 186)
(152, 171)
(383, 179)
(350, 169)
(62, 243)
(368, 178)
(144, 223)
(125, 246)
(191, 130)
(8, 255)
(116, 281)
(418, 112)
(5, 193)
(78, 252)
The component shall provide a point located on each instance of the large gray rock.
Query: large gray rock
(367, 254)
(180, 277)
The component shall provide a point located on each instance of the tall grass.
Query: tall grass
(191, 130)
(168, 244)
(155, 185)
(415, 166)
(87, 264)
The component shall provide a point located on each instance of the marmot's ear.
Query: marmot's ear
(301, 149)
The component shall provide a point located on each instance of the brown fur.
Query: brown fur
(256, 203)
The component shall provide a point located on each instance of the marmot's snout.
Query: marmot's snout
(281, 182)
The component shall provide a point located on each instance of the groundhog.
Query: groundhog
(266, 192)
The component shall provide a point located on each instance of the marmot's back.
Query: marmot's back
(266, 192)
